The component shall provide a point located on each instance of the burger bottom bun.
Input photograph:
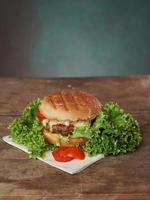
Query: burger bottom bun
(52, 138)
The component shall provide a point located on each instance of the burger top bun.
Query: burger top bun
(70, 105)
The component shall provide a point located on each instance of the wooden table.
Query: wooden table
(123, 177)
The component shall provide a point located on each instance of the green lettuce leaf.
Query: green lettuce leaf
(113, 132)
(27, 130)
(82, 131)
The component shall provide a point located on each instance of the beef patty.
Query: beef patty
(62, 129)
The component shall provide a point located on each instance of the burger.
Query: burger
(65, 112)
(70, 119)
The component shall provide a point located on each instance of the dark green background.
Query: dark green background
(74, 37)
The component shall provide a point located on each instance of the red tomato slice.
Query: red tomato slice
(75, 152)
(65, 154)
(60, 156)
(40, 116)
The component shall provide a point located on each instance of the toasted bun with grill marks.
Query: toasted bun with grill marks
(70, 105)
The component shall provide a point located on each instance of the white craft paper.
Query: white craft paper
(71, 167)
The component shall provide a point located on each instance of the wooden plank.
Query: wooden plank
(79, 197)
(130, 92)
(121, 177)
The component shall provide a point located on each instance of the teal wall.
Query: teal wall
(76, 37)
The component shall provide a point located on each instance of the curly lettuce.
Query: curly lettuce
(27, 130)
(113, 132)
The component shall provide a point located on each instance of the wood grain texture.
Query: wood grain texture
(122, 177)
